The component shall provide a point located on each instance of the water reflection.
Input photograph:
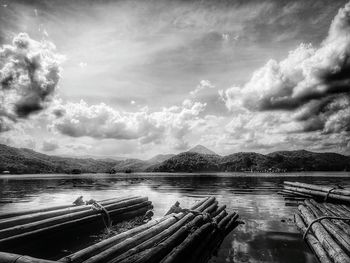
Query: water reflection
(268, 234)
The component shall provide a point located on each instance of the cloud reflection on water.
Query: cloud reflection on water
(268, 234)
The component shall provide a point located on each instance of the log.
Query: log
(312, 241)
(324, 189)
(332, 248)
(120, 248)
(199, 203)
(212, 241)
(219, 210)
(93, 250)
(293, 193)
(181, 252)
(14, 258)
(140, 209)
(29, 218)
(205, 204)
(345, 227)
(12, 231)
(212, 208)
(318, 193)
(338, 234)
(158, 252)
(340, 210)
(188, 220)
(347, 208)
(52, 208)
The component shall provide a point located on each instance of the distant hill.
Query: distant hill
(130, 165)
(249, 161)
(22, 160)
(189, 162)
(160, 158)
(201, 149)
(310, 161)
(137, 165)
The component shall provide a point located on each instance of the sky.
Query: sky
(138, 78)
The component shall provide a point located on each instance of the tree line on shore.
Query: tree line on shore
(20, 161)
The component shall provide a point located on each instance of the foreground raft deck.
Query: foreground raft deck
(20, 228)
(324, 219)
(189, 236)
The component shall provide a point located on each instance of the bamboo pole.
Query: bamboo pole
(338, 234)
(15, 230)
(175, 230)
(346, 207)
(137, 209)
(128, 243)
(182, 251)
(199, 203)
(314, 244)
(332, 248)
(212, 242)
(14, 258)
(212, 208)
(187, 220)
(219, 210)
(52, 208)
(318, 193)
(293, 193)
(340, 210)
(29, 218)
(93, 250)
(325, 189)
(158, 252)
(341, 224)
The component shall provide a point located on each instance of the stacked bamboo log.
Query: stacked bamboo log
(189, 236)
(326, 228)
(326, 193)
(17, 227)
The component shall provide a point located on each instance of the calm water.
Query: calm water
(268, 234)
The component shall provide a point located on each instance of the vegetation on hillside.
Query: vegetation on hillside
(19, 161)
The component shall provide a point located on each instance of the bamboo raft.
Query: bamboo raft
(326, 228)
(323, 218)
(189, 236)
(325, 193)
(17, 228)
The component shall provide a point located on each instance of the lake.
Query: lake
(268, 235)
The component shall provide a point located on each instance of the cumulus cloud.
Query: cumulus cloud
(203, 84)
(313, 83)
(29, 73)
(104, 122)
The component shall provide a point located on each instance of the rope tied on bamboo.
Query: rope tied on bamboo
(17, 258)
(97, 206)
(330, 190)
(321, 218)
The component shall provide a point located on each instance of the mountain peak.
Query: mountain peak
(201, 149)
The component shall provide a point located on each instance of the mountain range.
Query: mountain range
(197, 159)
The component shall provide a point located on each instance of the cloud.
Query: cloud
(314, 83)
(104, 122)
(203, 84)
(49, 146)
(29, 73)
